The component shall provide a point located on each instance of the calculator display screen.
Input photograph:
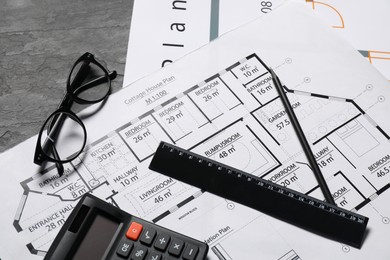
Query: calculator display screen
(97, 238)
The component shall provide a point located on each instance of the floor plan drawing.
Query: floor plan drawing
(246, 129)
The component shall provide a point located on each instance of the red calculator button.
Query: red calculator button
(134, 231)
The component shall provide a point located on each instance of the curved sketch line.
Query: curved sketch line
(334, 9)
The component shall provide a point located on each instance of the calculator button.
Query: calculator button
(148, 236)
(134, 231)
(124, 248)
(190, 252)
(176, 247)
(139, 253)
(162, 242)
(154, 256)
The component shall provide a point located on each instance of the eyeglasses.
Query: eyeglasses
(63, 135)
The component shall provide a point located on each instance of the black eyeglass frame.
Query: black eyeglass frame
(72, 90)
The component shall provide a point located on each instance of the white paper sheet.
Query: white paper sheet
(364, 24)
(220, 101)
(163, 31)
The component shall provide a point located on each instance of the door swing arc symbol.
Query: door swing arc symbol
(323, 7)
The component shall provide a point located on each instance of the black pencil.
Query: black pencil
(302, 139)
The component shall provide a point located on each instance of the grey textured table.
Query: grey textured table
(39, 42)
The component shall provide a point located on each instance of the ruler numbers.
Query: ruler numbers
(270, 198)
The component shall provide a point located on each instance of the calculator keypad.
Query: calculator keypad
(143, 242)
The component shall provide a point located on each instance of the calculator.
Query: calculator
(98, 230)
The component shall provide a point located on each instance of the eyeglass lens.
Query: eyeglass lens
(89, 82)
(64, 138)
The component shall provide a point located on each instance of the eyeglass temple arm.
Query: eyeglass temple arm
(53, 151)
(57, 121)
(97, 81)
(59, 165)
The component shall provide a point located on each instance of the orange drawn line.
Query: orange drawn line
(372, 53)
(379, 58)
(385, 52)
(334, 9)
(369, 56)
(312, 3)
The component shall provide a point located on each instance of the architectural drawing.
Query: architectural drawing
(234, 117)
